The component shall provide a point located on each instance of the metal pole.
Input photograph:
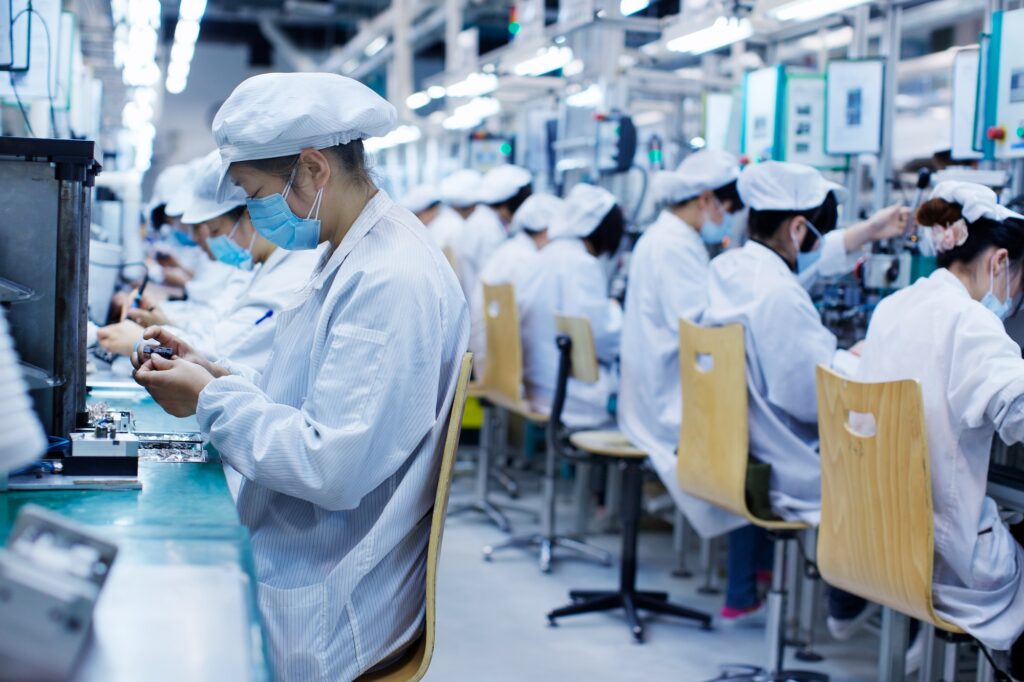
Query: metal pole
(891, 40)
(858, 48)
(892, 659)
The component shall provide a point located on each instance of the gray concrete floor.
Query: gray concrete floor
(492, 625)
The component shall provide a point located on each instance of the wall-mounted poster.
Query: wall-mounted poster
(804, 123)
(760, 108)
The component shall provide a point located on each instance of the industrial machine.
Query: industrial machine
(51, 574)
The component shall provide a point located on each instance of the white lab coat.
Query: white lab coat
(446, 227)
(668, 281)
(785, 342)
(339, 443)
(565, 279)
(482, 234)
(21, 437)
(242, 333)
(217, 291)
(503, 267)
(972, 381)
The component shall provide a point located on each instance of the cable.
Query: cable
(1000, 674)
(94, 264)
(21, 105)
(49, 69)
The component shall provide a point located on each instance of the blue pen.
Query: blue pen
(266, 316)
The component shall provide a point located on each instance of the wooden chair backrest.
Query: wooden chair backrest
(584, 367)
(413, 666)
(713, 440)
(503, 364)
(877, 532)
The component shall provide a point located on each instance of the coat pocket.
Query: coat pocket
(295, 623)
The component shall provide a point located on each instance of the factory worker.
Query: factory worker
(502, 191)
(568, 277)
(668, 282)
(946, 332)
(459, 199)
(529, 234)
(22, 440)
(791, 207)
(339, 438)
(424, 202)
(243, 329)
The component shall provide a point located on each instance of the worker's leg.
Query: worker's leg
(748, 547)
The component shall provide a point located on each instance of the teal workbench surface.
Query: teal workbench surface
(180, 603)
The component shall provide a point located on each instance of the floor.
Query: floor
(492, 625)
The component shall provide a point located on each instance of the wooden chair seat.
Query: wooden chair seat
(518, 407)
(605, 443)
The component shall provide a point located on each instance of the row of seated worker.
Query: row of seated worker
(211, 279)
(946, 331)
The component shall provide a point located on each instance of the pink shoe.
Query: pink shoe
(752, 616)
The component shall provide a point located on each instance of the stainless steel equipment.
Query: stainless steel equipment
(44, 232)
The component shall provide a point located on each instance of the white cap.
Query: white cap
(281, 114)
(181, 196)
(502, 182)
(166, 185)
(782, 186)
(204, 205)
(584, 209)
(708, 169)
(461, 189)
(421, 198)
(976, 201)
(536, 213)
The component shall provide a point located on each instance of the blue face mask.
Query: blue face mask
(183, 238)
(713, 233)
(228, 252)
(806, 260)
(275, 220)
(1000, 308)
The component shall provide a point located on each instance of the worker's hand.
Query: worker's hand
(888, 223)
(148, 315)
(177, 277)
(158, 336)
(167, 259)
(119, 338)
(174, 384)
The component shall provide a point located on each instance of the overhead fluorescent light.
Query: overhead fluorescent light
(546, 60)
(436, 91)
(472, 113)
(375, 46)
(590, 98)
(628, 7)
(417, 100)
(805, 10)
(649, 118)
(725, 31)
(475, 85)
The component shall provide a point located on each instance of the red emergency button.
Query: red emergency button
(997, 133)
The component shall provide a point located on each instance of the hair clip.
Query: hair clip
(949, 237)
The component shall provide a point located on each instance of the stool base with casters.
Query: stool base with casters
(745, 673)
(627, 597)
(547, 541)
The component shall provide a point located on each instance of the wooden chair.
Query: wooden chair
(578, 358)
(877, 532)
(412, 666)
(500, 392)
(548, 540)
(714, 452)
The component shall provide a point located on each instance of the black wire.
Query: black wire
(94, 264)
(49, 68)
(998, 673)
(21, 106)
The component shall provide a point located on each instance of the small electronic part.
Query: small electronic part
(171, 447)
(163, 351)
(51, 574)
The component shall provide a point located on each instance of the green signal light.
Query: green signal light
(506, 149)
(654, 155)
(513, 27)
(1020, 131)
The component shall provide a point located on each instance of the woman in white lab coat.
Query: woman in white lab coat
(668, 282)
(501, 191)
(459, 200)
(758, 286)
(529, 235)
(567, 277)
(339, 439)
(946, 332)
